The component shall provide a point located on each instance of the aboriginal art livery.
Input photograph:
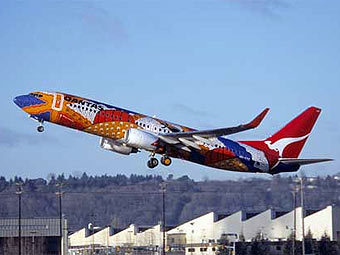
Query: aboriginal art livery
(127, 132)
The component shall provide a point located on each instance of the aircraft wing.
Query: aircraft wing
(188, 138)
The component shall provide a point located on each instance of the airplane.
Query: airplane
(125, 132)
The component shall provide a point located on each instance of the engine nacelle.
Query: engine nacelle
(140, 139)
(111, 145)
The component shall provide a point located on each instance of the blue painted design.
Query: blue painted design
(27, 100)
(197, 157)
(113, 107)
(239, 151)
(281, 167)
(46, 116)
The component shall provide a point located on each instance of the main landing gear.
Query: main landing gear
(165, 160)
(153, 162)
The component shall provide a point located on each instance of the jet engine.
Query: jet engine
(112, 145)
(140, 139)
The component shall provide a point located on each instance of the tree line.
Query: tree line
(121, 200)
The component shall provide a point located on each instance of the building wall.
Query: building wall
(336, 223)
(150, 237)
(33, 231)
(125, 237)
(176, 240)
(320, 223)
(40, 227)
(78, 238)
(100, 238)
(203, 232)
(30, 245)
(201, 250)
(282, 227)
(229, 225)
(258, 224)
(198, 230)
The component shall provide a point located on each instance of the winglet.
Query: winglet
(258, 119)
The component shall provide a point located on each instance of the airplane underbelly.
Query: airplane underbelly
(233, 164)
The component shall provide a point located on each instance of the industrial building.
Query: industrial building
(202, 234)
(39, 236)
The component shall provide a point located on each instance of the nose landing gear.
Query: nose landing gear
(40, 128)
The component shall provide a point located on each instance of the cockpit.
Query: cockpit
(37, 95)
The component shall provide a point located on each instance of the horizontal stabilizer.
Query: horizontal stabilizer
(296, 161)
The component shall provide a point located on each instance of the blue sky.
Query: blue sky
(204, 64)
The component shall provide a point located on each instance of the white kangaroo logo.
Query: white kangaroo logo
(282, 143)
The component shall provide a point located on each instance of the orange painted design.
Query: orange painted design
(234, 163)
(114, 129)
(40, 108)
(79, 120)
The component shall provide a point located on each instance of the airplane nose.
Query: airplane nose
(27, 100)
(20, 101)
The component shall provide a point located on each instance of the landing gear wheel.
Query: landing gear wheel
(152, 162)
(165, 160)
(40, 129)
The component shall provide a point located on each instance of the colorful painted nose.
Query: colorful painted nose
(27, 100)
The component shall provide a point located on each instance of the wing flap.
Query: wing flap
(189, 143)
(169, 140)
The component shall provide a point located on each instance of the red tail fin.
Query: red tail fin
(288, 141)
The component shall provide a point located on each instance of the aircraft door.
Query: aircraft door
(58, 101)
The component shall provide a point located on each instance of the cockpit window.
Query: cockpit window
(35, 94)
